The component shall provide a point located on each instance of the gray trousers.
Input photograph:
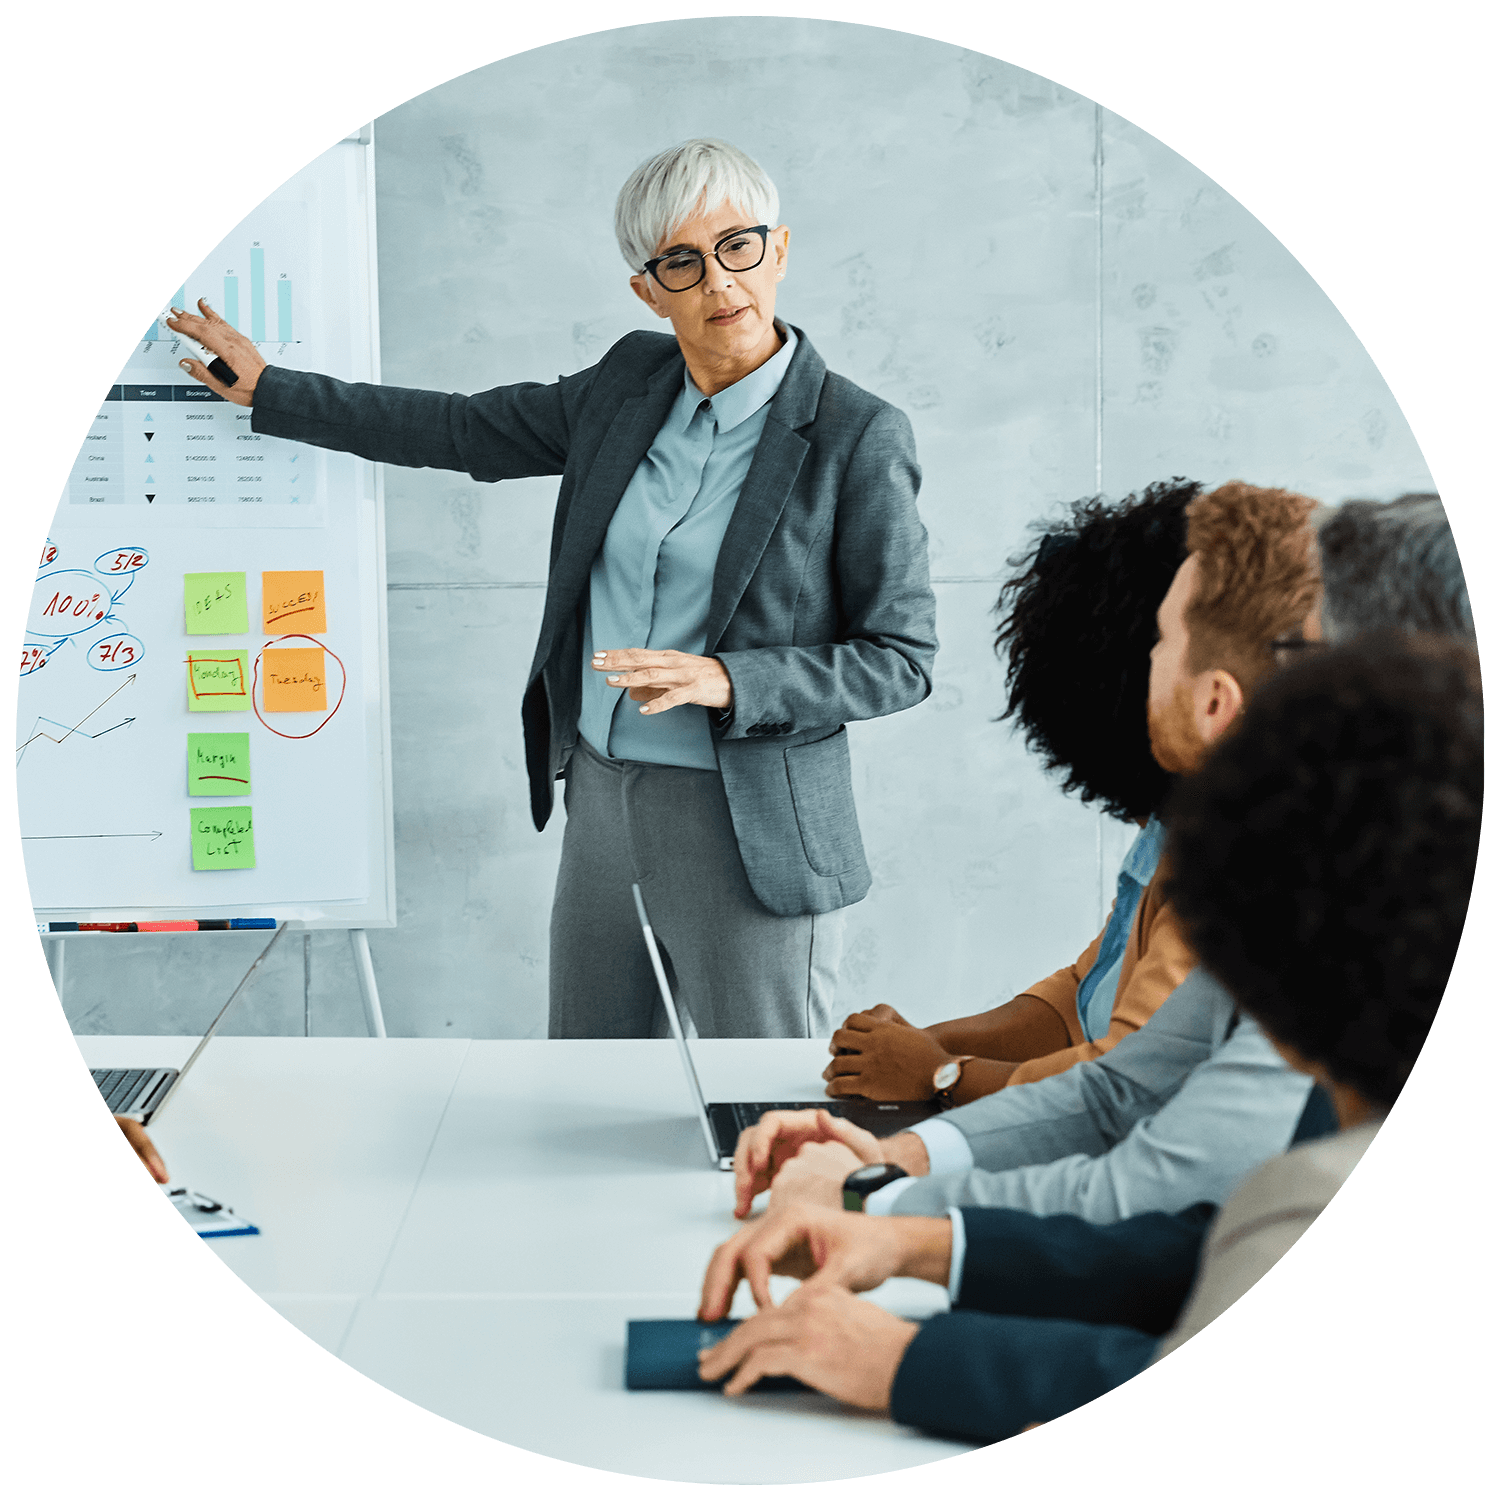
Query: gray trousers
(736, 969)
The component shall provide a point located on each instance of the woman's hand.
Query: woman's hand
(880, 1059)
(228, 343)
(659, 680)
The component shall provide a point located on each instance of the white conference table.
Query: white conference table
(472, 1223)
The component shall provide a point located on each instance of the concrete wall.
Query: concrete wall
(1059, 303)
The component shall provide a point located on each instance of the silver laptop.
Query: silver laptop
(142, 1093)
(722, 1123)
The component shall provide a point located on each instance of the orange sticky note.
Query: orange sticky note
(293, 601)
(294, 680)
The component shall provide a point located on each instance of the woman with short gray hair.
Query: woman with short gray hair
(737, 570)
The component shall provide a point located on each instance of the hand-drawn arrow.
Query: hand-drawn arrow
(42, 733)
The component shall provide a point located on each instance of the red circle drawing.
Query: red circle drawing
(255, 682)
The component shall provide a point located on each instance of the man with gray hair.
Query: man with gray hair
(1392, 566)
(737, 570)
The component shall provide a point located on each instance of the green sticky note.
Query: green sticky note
(218, 681)
(223, 838)
(214, 603)
(218, 765)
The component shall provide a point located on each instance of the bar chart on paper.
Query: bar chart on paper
(256, 279)
(161, 439)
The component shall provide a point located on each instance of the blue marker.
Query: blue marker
(242, 924)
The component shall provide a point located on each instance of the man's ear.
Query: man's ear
(1217, 703)
(640, 284)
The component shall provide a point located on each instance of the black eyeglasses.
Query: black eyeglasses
(682, 270)
(1291, 644)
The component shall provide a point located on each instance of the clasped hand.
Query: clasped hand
(878, 1054)
(661, 680)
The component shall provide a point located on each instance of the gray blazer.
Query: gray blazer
(1176, 1114)
(821, 609)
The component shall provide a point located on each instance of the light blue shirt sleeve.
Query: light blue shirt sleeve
(882, 1200)
(947, 1146)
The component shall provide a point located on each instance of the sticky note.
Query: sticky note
(218, 680)
(223, 838)
(294, 679)
(218, 765)
(293, 601)
(214, 603)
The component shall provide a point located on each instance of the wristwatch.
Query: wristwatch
(945, 1080)
(863, 1181)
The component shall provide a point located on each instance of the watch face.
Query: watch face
(874, 1172)
(946, 1076)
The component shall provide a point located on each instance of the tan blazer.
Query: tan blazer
(1157, 959)
(1264, 1217)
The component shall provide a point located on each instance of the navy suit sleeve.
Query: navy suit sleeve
(511, 432)
(977, 1376)
(1136, 1272)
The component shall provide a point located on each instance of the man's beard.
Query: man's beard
(1175, 741)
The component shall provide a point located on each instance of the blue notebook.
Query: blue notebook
(661, 1354)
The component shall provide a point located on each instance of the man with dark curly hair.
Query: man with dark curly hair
(1324, 860)
(1078, 619)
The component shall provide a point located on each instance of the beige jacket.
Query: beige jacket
(1264, 1217)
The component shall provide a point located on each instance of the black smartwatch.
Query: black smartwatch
(863, 1181)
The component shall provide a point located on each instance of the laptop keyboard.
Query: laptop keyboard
(119, 1085)
(746, 1115)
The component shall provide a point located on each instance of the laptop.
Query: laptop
(722, 1123)
(142, 1093)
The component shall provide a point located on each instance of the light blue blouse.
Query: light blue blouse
(1096, 994)
(652, 579)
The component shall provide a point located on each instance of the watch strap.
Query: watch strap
(863, 1181)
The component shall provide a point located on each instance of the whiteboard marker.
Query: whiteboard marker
(216, 368)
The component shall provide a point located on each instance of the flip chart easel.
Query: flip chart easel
(204, 587)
